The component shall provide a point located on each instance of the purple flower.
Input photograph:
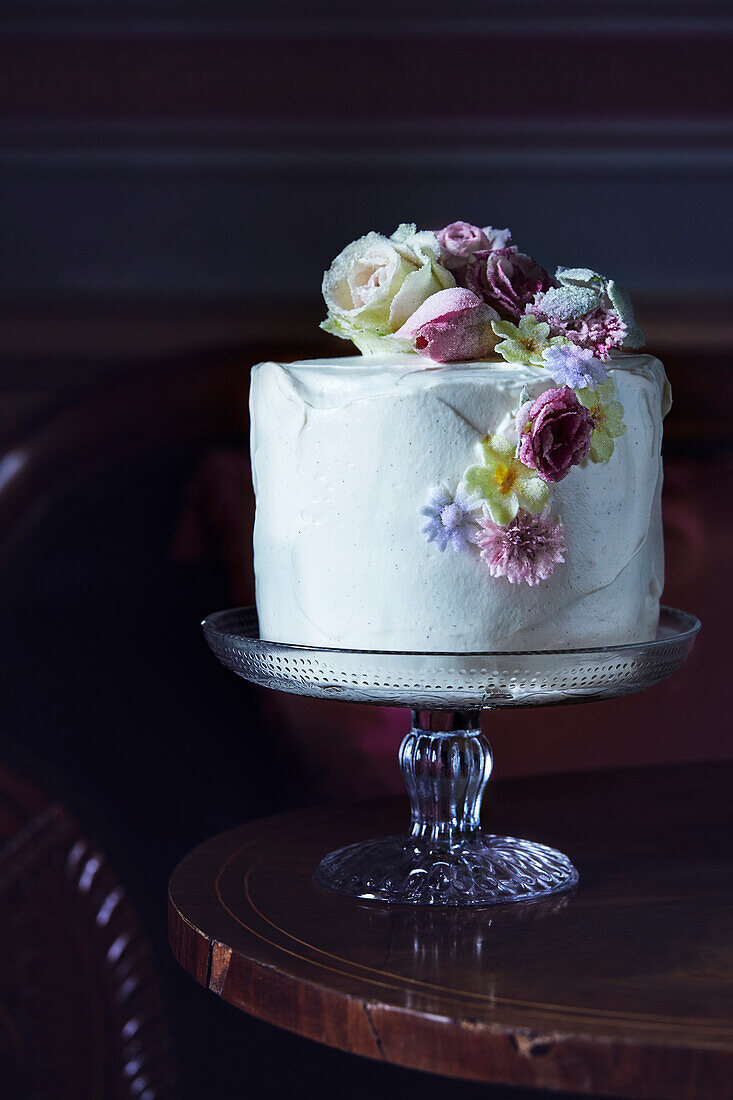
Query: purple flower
(574, 366)
(526, 551)
(459, 240)
(451, 325)
(554, 433)
(450, 520)
(506, 279)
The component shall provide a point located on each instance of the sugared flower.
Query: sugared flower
(526, 550)
(601, 331)
(450, 519)
(573, 366)
(589, 310)
(460, 240)
(526, 342)
(612, 297)
(376, 283)
(504, 483)
(554, 433)
(607, 417)
(451, 325)
(507, 279)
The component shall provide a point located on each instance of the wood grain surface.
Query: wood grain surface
(623, 988)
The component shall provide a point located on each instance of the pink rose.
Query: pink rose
(459, 240)
(506, 279)
(451, 325)
(554, 433)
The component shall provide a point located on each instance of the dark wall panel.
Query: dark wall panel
(113, 231)
(183, 148)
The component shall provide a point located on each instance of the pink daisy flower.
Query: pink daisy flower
(526, 550)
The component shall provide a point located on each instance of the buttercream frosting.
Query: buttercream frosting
(344, 451)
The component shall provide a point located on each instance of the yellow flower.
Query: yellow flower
(607, 415)
(504, 483)
(525, 342)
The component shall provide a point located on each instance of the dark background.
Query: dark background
(175, 177)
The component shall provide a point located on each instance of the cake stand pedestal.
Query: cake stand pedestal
(445, 858)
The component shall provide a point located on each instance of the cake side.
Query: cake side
(345, 454)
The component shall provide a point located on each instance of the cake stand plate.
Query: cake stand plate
(445, 858)
(450, 681)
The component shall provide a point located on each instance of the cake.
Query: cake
(485, 475)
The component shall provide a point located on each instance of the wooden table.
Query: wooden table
(624, 988)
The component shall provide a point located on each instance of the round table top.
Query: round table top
(624, 987)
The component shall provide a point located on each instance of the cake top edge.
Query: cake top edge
(402, 362)
(465, 293)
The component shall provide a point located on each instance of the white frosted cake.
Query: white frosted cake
(485, 476)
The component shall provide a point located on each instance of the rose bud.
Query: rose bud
(451, 326)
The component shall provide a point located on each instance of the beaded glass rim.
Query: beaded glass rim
(449, 681)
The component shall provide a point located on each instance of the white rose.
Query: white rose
(377, 283)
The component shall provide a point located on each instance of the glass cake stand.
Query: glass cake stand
(445, 858)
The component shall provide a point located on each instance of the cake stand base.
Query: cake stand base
(445, 859)
(489, 870)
